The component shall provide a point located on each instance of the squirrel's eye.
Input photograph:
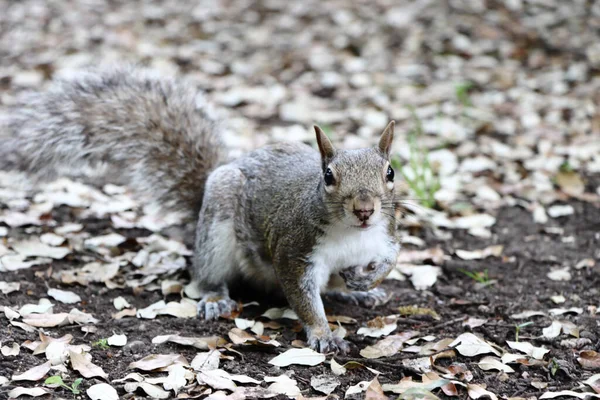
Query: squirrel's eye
(390, 174)
(329, 177)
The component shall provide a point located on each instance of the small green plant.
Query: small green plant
(422, 179)
(462, 93)
(478, 276)
(565, 167)
(57, 380)
(554, 367)
(101, 343)
(519, 327)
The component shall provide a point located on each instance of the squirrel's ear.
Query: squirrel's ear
(325, 146)
(385, 141)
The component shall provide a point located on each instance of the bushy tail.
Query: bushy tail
(148, 131)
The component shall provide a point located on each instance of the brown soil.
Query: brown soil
(520, 284)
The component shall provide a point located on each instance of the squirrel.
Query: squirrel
(284, 216)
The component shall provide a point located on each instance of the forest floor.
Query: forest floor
(496, 291)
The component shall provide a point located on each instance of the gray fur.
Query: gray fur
(147, 130)
(267, 218)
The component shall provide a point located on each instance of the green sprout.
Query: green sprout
(519, 327)
(57, 380)
(477, 276)
(423, 181)
(101, 343)
(554, 367)
(462, 93)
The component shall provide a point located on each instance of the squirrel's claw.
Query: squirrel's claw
(329, 344)
(213, 306)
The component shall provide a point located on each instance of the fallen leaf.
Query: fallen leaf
(358, 388)
(85, 367)
(298, 356)
(64, 296)
(553, 330)
(374, 391)
(157, 361)
(324, 383)
(414, 390)
(471, 345)
(283, 384)
(387, 347)
(120, 303)
(337, 368)
(278, 313)
(476, 391)
(435, 254)
(102, 391)
(378, 330)
(589, 359)
(117, 340)
(52, 239)
(9, 287)
(151, 390)
(570, 182)
(176, 379)
(32, 392)
(107, 241)
(529, 349)
(421, 276)
(491, 251)
(10, 351)
(561, 311)
(206, 361)
(216, 379)
(35, 248)
(561, 274)
(527, 314)
(127, 312)
(202, 343)
(569, 393)
(33, 374)
(43, 306)
(473, 323)
(492, 363)
(593, 382)
(560, 211)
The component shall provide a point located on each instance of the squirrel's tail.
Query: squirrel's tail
(148, 131)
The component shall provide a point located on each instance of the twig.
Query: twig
(389, 364)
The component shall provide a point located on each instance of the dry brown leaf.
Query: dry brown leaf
(33, 374)
(388, 346)
(374, 391)
(202, 343)
(589, 359)
(85, 367)
(158, 361)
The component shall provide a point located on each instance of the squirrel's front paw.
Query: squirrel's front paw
(213, 305)
(329, 344)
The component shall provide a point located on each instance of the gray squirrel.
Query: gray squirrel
(282, 217)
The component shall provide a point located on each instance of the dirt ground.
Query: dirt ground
(506, 94)
(529, 255)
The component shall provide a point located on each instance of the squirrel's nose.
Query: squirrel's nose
(363, 214)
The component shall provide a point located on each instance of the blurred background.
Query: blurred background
(500, 96)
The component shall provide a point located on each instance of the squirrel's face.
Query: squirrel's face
(358, 184)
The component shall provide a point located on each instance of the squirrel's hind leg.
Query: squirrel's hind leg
(217, 251)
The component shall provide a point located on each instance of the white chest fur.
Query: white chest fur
(342, 247)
